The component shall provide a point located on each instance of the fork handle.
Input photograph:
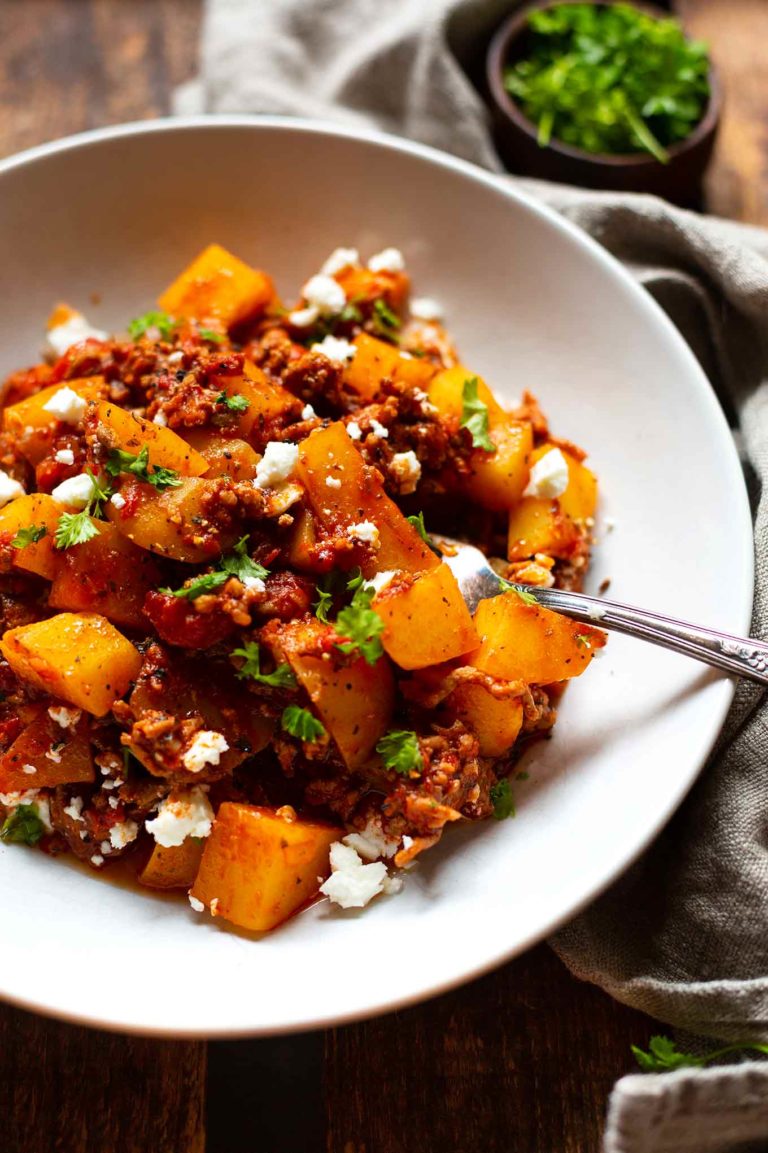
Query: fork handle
(741, 656)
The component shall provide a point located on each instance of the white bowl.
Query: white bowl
(533, 303)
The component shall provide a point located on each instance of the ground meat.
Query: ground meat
(288, 595)
(180, 622)
(319, 381)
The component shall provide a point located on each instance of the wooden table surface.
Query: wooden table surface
(521, 1061)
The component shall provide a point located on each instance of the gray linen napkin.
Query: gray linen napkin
(694, 952)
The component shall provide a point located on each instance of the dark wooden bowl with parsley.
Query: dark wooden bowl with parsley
(605, 95)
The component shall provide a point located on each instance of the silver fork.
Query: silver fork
(740, 656)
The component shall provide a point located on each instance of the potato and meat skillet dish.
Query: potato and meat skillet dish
(231, 652)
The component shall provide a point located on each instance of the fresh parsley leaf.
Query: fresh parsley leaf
(99, 494)
(239, 564)
(23, 826)
(526, 597)
(74, 528)
(209, 334)
(502, 800)
(355, 580)
(399, 749)
(235, 403)
(362, 625)
(332, 585)
(384, 321)
(474, 416)
(31, 534)
(417, 520)
(138, 466)
(300, 723)
(281, 678)
(324, 602)
(207, 583)
(159, 321)
(583, 641)
(663, 1054)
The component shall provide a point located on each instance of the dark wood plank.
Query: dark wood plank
(65, 1089)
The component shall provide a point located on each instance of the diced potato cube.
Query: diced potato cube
(530, 643)
(170, 523)
(218, 287)
(260, 866)
(270, 407)
(31, 413)
(375, 360)
(226, 456)
(364, 286)
(539, 526)
(495, 720)
(132, 433)
(78, 657)
(446, 391)
(37, 509)
(59, 756)
(427, 621)
(174, 867)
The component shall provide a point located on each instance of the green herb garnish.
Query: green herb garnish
(502, 800)
(235, 403)
(300, 723)
(209, 334)
(235, 564)
(73, 528)
(362, 625)
(161, 321)
(281, 678)
(384, 321)
(610, 79)
(198, 586)
(138, 466)
(400, 751)
(23, 826)
(29, 535)
(417, 520)
(526, 597)
(474, 416)
(663, 1054)
(583, 641)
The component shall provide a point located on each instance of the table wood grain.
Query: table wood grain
(521, 1060)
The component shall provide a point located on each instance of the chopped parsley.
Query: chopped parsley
(235, 564)
(384, 321)
(210, 334)
(207, 583)
(29, 535)
(300, 723)
(583, 640)
(73, 528)
(281, 678)
(235, 403)
(330, 586)
(417, 520)
(362, 625)
(138, 466)
(502, 800)
(160, 322)
(399, 750)
(663, 1054)
(23, 826)
(474, 416)
(526, 597)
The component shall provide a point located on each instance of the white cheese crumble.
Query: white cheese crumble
(255, 584)
(379, 581)
(117, 501)
(277, 464)
(366, 532)
(160, 418)
(61, 338)
(181, 815)
(30, 770)
(424, 308)
(176, 357)
(198, 906)
(113, 802)
(340, 259)
(407, 841)
(336, 349)
(97, 860)
(66, 405)
(67, 719)
(595, 612)
(54, 755)
(308, 412)
(105, 847)
(64, 456)
(332, 482)
(372, 843)
(407, 470)
(351, 883)
(354, 430)
(303, 317)
(10, 489)
(379, 430)
(388, 260)
(123, 833)
(549, 476)
(76, 491)
(206, 749)
(325, 294)
(74, 810)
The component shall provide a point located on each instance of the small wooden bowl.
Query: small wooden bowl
(516, 136)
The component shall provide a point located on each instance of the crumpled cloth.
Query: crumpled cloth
(683, 935)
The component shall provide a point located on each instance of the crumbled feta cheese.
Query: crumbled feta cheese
(372, 843)
(176, 357)
(113, 802)
(64, 456)
(392, 885)
(97, 860)
(181, 815)
(379, 430)
(277, 464)
(342, 351)
(424, 308)
(117, 501)
(549, 476)
(123, 833)
(72, 331)
(388, 260)
(105, 847)
(255, 584)
(198, 906)
(30, 770)
(66, 405)
(325, 294)
(366, 532)
(76, 491)
(595, 612)
(303, 317)
(308, 412)
(379, 581)
(332, 482)
(74, 810)
(351, 883)
(354, 430)
(160, 418)
(206, 749)
(407, 841)
(340, 259)
(54, 755)
(407, 470)
(67, 719)
(9, 489)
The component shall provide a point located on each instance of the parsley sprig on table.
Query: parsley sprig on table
(235, 564)
(399, 750)
(663, 1054)
(474, 416)
(281, 678)
(138, 465)
(610, 79)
